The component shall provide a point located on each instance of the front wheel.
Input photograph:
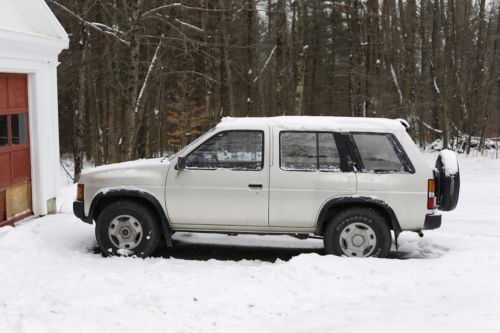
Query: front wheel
(358, 232)
(127, 228)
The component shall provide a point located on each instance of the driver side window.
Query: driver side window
(235, 150)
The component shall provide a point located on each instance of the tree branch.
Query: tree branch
(93, 25)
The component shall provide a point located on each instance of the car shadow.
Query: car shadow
(188, 250)
(232, 252)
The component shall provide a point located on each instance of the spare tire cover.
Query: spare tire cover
(447, 184)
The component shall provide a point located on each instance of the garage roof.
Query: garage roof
(31, 21)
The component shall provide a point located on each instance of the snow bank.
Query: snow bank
(52, 281)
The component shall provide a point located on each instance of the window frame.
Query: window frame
(9, 139)
(396, 146)
(10, 144)
(232, 169)
(339, 143)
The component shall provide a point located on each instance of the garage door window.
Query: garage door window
(4, 131)
(19, 128)
(18, 134)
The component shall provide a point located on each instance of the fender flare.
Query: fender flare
(137, 194)
(343, 202)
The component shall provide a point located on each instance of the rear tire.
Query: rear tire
(127, 228)
(358, 232)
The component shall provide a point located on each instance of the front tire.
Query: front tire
(358, 232)
(127, 228)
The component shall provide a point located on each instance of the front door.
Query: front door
(225, 183)
(15, 169)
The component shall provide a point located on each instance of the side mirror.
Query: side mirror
(181, 163)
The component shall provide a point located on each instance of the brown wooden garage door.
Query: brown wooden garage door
(15, 165)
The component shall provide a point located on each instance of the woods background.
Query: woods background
(144, 77)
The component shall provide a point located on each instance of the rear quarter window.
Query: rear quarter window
(380, 152)
(309, 151)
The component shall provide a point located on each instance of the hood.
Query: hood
(140, 172)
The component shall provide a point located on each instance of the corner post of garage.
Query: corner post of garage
(29, 142)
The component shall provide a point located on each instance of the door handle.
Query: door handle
(255, 185)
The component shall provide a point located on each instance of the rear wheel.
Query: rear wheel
(127, 228)
(358, 232)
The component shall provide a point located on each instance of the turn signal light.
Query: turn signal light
(80, 192)
(431, 195)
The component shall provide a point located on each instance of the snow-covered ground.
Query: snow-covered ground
(449, 281)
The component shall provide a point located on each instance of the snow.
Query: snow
(316, 123)
(189, 25)
(125, 166)
(396, 83)
(265, 64)
(52, 281)
(148, 74)
(450, 162)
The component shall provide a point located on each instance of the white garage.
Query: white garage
(31, 39)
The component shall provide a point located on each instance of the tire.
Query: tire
(447, 187)
(127, 228)
(358, 232)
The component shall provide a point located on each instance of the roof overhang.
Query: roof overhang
(19, 38)
(30, 28)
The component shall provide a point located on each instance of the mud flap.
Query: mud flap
(396, 236)
(167, 234)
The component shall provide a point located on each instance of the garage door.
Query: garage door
(15, 168)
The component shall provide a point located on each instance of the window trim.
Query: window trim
(338, 144)
(396, 146)
(14, 146)
(232, 169)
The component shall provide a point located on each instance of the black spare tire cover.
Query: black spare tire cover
(447, 183)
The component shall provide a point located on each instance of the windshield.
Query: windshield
(181, 152)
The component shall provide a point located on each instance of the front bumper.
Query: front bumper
(432, 222)
(79, 211)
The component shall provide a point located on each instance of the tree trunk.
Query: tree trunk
(409, 38)
(301, 59)
(252, 37)
(372, 65)
(477, 91)
(280, 57)
(227, 58)
(333, 59)
(127, 139)
(437, 106)
(79, 115)
(492, 81)
(354, 41)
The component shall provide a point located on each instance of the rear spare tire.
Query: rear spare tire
(358, 232)
(447, 176)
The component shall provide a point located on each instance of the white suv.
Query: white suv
(349, 180)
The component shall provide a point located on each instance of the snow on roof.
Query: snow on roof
(317, 123)
(31, 17)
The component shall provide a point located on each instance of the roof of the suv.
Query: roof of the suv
(340, 124)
